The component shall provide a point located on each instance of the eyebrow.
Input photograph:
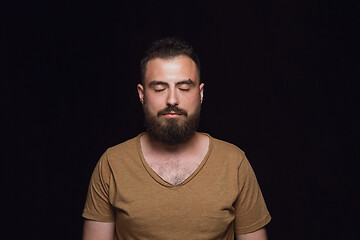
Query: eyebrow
(188, 81)
(156, 82)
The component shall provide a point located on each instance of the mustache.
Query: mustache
(172, 108)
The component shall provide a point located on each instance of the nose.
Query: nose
(172, 98)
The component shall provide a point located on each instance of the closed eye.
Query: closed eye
(185, 86)
(159, 90)
(184, 89)
(158, 86)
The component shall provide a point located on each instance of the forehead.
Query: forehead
(172, 69)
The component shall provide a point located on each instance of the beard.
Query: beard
(171, 131)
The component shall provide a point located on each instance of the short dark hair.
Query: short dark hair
(166, 48)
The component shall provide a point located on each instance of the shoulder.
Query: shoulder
(226, 146)
(129, 148)
(226, 150)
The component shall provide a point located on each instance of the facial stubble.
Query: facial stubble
(172, 131)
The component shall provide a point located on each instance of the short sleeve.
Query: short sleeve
(97, 205)
(250, 208)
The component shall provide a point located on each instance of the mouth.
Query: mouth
(172, 114)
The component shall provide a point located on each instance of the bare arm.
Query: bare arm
(94, 230)
(257, 235)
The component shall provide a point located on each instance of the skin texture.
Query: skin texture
(257, 235)
(94, 230)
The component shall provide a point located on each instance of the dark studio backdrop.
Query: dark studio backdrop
(280, 84)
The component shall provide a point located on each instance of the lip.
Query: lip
(172, 115)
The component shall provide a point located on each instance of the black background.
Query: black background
(280, 84)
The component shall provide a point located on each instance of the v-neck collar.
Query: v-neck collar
(161, 181)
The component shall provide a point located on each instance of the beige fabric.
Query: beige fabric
(220, 197)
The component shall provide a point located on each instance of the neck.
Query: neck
(167, 148)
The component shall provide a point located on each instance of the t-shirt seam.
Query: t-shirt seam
(111, 173)
(98, 217)
(241, 162)
(254, 224)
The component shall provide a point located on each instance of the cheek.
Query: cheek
(191, 103)
(153, 103)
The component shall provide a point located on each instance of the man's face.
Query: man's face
(171, 98)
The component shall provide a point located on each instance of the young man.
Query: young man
(173, 182)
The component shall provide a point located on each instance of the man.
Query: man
(172, 182)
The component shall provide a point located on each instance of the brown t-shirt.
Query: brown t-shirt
(220, 197)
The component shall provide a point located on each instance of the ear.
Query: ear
(140, 90)
(201, 89)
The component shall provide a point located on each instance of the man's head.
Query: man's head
(171, 92)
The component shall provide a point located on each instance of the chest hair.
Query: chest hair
(174, 170)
